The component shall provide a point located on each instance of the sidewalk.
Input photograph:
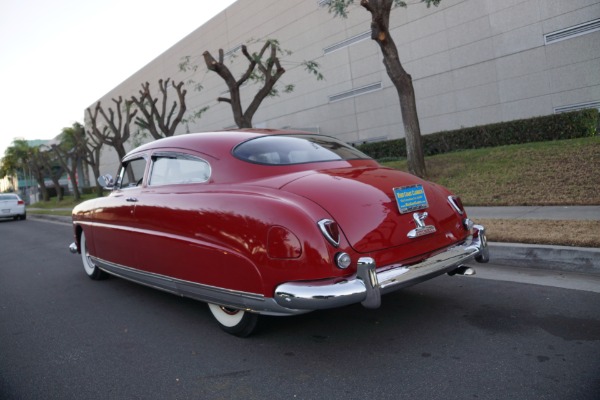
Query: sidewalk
(573, 213)
(560, 258)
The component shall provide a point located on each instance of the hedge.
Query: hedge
(576, 124)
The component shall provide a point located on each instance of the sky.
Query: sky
(58, 57)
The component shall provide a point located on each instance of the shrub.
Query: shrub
(570, 125)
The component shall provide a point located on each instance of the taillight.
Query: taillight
(457, 204)
(330, 230)
(343, 260)
(20, 202)
(283, 244)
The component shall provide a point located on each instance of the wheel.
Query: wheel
(90, 269)
(236, 322)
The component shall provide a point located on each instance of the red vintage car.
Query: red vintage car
(271, 222)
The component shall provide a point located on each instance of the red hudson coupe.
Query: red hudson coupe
(271, 222)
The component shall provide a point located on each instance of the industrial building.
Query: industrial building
(472, 62)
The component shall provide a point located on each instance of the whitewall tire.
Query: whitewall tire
(236, 322)
(90, 269)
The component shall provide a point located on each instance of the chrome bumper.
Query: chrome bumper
(368, 285)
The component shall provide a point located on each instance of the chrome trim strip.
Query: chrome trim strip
(192, 241)
(368, 285)
(323, 227)
(252, 302)
(452, 201)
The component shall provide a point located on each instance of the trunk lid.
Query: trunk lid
(362, 201)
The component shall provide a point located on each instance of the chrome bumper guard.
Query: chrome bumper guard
(368, 285)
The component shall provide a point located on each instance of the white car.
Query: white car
(11, 206)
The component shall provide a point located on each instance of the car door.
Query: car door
(168, 212)
(116, 234)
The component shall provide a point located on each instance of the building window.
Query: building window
(347, 42)
(576, 107)
(355, 92)
(574, 31)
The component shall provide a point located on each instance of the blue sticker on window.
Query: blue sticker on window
(410, 198)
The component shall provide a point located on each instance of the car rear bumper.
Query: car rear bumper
(12, 212)
(368, 285)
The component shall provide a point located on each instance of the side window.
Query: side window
(132, 173)
(175, 168)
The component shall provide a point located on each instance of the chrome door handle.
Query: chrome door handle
(131, 199)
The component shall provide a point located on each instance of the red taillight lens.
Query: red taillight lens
(283, 244)
(330, 230)
(20, 202)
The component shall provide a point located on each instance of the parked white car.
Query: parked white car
(11, 206)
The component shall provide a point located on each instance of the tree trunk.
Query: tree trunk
(74, 181)
(64, 159)
(380, 17)
(43, 188)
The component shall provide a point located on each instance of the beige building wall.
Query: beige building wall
(473, 62)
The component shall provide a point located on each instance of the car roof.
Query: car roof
(215, 143)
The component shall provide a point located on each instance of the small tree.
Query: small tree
(90, 147)
(69, 155)
(156, 118)
(51, 167)
(264, 68)
(37, 168)
(19, 157)
(380, 23)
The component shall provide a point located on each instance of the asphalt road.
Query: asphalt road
(64, 336)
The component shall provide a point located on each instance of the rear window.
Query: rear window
(295, 149)
(8, 197)
(176, 168)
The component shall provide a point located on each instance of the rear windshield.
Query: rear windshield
(8, 197)
(295, 149)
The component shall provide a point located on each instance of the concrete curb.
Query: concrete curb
(55, 218)
(582, 260)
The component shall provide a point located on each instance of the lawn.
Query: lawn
(564, 172)
(537, 174)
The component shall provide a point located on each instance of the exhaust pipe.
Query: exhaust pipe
(462, 270)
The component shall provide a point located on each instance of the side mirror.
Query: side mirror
(107, 182)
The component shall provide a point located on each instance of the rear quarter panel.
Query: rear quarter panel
(217, 235)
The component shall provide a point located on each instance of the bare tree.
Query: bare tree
(264, 68)
(116, 129)
(69, 164)
(380, 23)
(156, 118)
(90, 147)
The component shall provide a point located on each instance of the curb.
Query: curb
(583, 260)
(55, 218)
